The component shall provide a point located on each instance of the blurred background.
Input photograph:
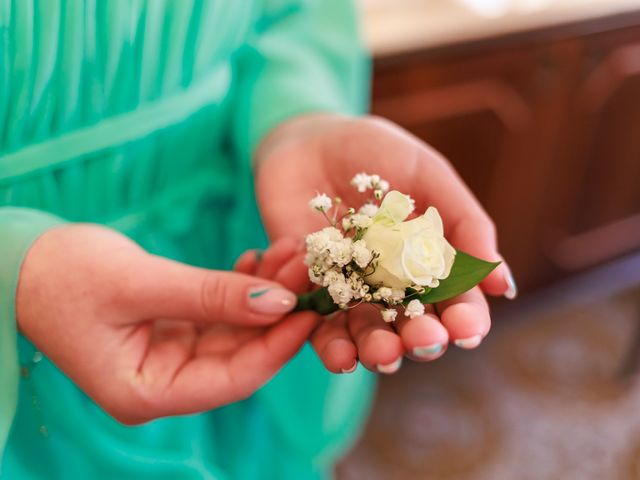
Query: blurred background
(537, 104)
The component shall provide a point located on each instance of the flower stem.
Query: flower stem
(318, 301)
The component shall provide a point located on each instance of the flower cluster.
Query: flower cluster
(373, 255)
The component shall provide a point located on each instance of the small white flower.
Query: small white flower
(346, 224)
(340, 252)
(389, 315)
(340, 292)
(361, 254)
(360, 220)
(414, 309)
(383, 185)
(397, 295)
(383, 293)
(362, 182)
(320, 202)
(314, 277)
(331, 277)
(368, 209)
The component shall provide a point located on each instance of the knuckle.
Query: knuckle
(213, 296)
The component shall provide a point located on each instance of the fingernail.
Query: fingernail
(352, 369)
(392, 367)
(428, 352)
(468, 343)
(512, 291)
(271, 300)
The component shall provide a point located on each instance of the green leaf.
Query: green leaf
(466, 273)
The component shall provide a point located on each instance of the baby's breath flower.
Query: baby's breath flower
(331, 277)
(361, 254)
(383, 293)
(362, 182)
(368, 209)
(340, 252)
(415, 308)
(397, 295)
(383, 185)
(340, 292)
(315, 277)
(360, 220)
(320, 202)
(389, 315)
(346, 224)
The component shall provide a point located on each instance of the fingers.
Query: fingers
(476, 235)
(467, 225)
(295, 275)
(209, 381)
(168, 289)
(248, 262)
(380, 349)
(276, 256)
(424, 337)
(467, 318)
(334, 345)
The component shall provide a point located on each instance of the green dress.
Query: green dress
(143, 116)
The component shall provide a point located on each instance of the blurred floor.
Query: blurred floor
(542, 399)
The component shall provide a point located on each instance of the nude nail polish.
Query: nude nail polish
(271, 300)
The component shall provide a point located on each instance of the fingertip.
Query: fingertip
(424, 337)
(381, 348)
(247, 262)
(294, 275)
(500, 282)
(339, 356)
(465, 323)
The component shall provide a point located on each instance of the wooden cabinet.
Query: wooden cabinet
(545, 128)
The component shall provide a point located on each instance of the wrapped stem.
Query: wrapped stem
(318, 301)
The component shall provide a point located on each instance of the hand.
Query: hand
(147, 337)
(321, 154)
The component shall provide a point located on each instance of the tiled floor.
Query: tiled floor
(541, 399)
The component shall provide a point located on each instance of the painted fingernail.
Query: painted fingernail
(271, 300)
(512, 291)
(469, 343)
(352, 369)
(392, 367)
(428, 352)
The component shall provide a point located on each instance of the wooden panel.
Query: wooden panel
(600, 166)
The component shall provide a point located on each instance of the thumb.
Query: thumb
(181, 292)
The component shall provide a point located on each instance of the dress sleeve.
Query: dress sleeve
(19, 228)
(302, 56)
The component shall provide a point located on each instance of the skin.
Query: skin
(321, 153)
(147, 337)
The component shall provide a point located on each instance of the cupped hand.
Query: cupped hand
(321, 153)
(147, 337)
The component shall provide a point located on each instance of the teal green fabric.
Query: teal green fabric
(143, 116)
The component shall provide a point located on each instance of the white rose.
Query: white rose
(411, 253)
(394, 209)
